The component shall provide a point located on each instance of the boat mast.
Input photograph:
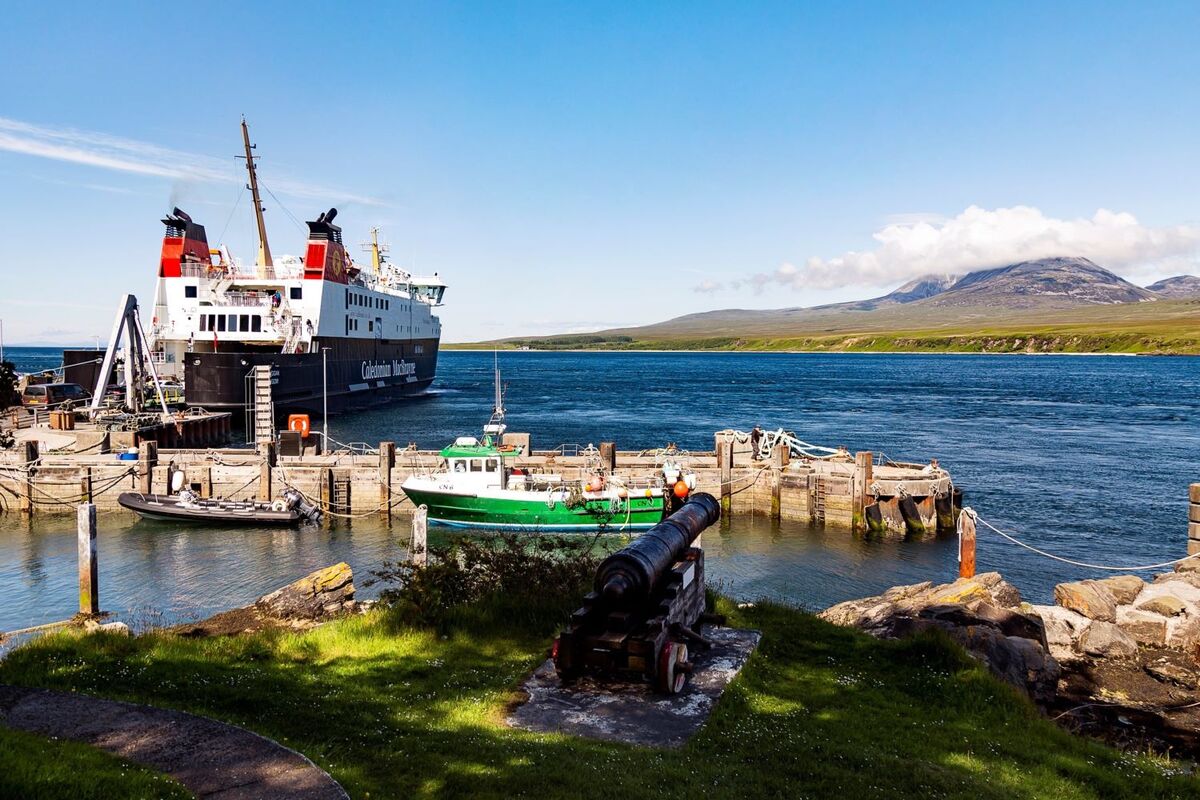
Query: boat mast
(264, 249)
(496, 426)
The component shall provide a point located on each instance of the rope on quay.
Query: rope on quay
(975, 516)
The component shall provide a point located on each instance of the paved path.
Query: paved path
(212, 759)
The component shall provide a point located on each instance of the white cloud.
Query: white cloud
(102, 151)
(979, 238)
(708, 287)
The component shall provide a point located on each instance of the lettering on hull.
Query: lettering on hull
(397, 368)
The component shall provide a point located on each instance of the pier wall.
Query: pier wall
(836, 492)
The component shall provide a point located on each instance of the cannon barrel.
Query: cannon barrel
(628, 576)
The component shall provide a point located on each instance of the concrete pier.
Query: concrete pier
(848, 490)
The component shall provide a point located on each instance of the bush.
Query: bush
(531, 580)
(9, 396)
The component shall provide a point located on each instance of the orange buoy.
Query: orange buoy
(621, 493)
(681, 489)
(299, 423)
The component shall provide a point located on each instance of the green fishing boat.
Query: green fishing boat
(478, 485)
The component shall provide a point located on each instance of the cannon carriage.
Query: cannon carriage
(647, 602)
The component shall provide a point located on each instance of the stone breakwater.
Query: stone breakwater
(1117, 657)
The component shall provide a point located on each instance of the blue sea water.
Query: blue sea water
(1087, 457)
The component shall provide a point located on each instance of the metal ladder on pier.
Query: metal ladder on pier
(260, 404)
(819, 499)
(339, 495)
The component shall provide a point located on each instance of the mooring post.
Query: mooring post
(1193, 545)
(608, 457)
(326, 494)
(387, 460)
(85, 484)
(780, 457)
(266, 449)
(89, 576)
(725, 462)
(420, 528)
(966, 544)
(206, 483)
(147, 461)
(31, 457)
(864, 475)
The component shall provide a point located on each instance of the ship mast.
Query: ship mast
(376, 250)
(264, 249)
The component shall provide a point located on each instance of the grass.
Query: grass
(396, 711)
(34, 768)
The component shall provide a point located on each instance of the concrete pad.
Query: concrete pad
(53, 440)
(631, 711)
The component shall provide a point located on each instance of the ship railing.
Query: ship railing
(238, 299)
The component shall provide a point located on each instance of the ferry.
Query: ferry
(329, 328)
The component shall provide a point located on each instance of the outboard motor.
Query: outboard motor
(294, 501)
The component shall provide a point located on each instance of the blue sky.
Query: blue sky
(570, 166)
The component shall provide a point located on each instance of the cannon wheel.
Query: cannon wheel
(671, 678)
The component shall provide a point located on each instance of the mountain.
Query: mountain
(1048, 287)
(1181, 287)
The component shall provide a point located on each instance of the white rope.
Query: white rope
(1071, 561)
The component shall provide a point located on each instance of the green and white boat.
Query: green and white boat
(478, 485)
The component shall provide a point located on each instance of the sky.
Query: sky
(568, 167)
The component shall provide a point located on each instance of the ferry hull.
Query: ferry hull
(537, 514)
(359, 373)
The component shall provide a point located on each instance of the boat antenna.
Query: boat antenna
(264, 249)
(496, 424)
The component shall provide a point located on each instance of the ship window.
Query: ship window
(460, 466)
(256, 323)
(232, 322)
(189, 291)
(203, 322)
(370, 325)
(490, 465)
(296, 292)
(347, 324)
(347, 298)
(476, 465)
(220, 322)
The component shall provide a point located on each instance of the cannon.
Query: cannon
(645, 607)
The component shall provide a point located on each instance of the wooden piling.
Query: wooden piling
(387, 460)
(966, 546)
(85, 485)
(780, 457)
(147, 461)
(608, 456)
(864, 472)
(89, 575)
(725, 463)
(1193, 545)
(417, 550)
(31, 457)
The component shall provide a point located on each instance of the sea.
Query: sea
(1086, 458)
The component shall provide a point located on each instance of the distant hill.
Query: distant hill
(1047, 305)
(1180, 287)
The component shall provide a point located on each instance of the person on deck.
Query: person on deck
(755, 438)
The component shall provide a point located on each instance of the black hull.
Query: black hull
(361, 373)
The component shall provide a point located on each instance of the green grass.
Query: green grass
(35, 768)
(393, 711)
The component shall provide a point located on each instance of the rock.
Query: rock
(1124, 588)
(1191, 565)
(961, 592)
(1145, 627)
(1004, 594)
(1020, 662)
(1063, 629)
(321, 594)
(1189, 578)
(1090, 598)
(118, 628)
(903, 592)
(1183, 633)
(1106, 640)
(1166, 605)
(1172, 671)
(850, 613)
(1011, 622)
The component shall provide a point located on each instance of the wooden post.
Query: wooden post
(326, 494)
(780, 457)
(608, 457)
(417, 550)
(206, 483)
(147, 461)
(89, 576)
(387, 460)
(85, 485)
(31, 457)
(864, 476)
(966, 545)
(725, 462)
(1193, 545)
(266, 449)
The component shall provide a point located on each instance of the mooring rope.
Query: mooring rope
(1070, 561)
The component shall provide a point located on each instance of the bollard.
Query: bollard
(420, 529)
(31, 457)
(864, 476)
(780, 457)
(966, 544)
(147, 461)
(266, 449)
(608, 457)
(89, 576)
(725, 462)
